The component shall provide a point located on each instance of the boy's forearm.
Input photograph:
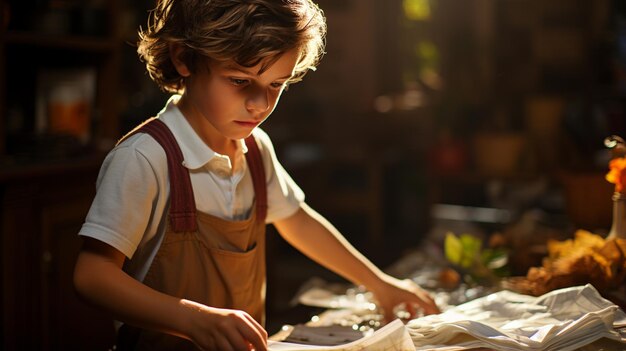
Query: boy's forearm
(314, 236)
(103, 284)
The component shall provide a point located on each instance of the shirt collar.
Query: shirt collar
(195, 152)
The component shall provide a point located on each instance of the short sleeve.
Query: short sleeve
(128, 203)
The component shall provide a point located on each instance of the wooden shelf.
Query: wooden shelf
(77, 43)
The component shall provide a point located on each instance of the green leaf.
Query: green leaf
(471, 250)
(453, 248)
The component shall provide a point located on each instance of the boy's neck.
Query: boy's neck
(206, 132)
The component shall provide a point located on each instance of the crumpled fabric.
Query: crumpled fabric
(564, 319)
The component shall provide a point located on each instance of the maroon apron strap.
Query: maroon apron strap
(255, 163)
(182, 213)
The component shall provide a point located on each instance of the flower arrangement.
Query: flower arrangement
(617, 176)
(588, 258)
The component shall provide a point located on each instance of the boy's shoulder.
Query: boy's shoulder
(141, 144)
(137, 141)
(138, 159)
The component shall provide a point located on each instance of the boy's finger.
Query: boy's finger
(389, 316)
(253, 336)
(236, 340)
(224, 343)
(429, 305)
(410, 308)
(258, 327)
(425, 301)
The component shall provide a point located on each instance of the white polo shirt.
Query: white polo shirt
(129, 211)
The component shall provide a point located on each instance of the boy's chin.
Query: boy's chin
(243, 134)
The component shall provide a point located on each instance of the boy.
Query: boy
(187, 195)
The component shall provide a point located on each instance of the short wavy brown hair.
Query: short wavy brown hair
(247, 32)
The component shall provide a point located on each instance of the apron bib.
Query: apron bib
(204, 258)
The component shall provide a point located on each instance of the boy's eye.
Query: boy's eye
(237, 81)
(243, 82)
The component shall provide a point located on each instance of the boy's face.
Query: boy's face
(228, 101)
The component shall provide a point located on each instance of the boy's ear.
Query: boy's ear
(176, 55)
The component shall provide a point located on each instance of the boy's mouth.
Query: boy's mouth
(248, 123)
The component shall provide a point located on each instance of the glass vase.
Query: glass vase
(618, 227)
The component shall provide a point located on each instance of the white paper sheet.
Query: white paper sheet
(392, 337)
(563, 320)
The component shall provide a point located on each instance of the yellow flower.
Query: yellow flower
(617, 173)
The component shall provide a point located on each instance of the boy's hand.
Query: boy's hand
(394, 292)
(222, 329)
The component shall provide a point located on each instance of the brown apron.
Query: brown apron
(204, 258)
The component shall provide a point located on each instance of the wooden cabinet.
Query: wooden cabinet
(43, 209)
(59, 68)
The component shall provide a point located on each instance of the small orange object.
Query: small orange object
(449, 278)
(617, 173)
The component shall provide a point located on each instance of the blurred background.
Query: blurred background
(425, 116)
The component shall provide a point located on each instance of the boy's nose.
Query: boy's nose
(259, 101)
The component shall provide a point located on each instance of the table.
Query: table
(361, 318)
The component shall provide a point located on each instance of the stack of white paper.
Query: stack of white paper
(564, 319)
(392, 337)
